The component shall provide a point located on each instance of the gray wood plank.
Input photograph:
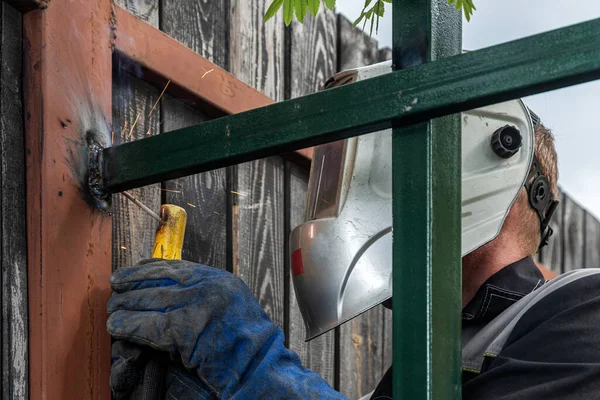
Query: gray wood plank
(203, 196)
(256, 48)
(201, 26)
(313, 60)
(258, 237)
(362, 340)
(573, 234)
(356, 49)
(146, 10)
(133, 99)
(313, 53)
(592, 242)
(551, 255)
(13, 234)
(388, 355)
(256, 57)
(361, 353)
(133, 229)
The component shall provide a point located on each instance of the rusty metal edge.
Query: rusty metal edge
(67, 92)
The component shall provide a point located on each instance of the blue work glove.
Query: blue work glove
(209, 321)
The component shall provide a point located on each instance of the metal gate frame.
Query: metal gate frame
(419, 101)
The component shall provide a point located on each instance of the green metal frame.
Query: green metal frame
(426, 154)
(427, 198)
(447, 86)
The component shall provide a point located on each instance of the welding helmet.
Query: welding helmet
(341, 256)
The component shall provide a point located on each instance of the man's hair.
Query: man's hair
(545, 152)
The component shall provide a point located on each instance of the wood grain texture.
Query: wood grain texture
(201, 26)
(258, 202)
(146, 10)
(256, 57)
(592, 242)
(13, 231)
(361, 353)
(67, 97)
(313, 59)
(203, 196)
(194, 79)
(133, 99)
(256, 48)
(551, 255)
(573, 234)
(388, 355)
(133, 229)
(362, 340)
(357, 49)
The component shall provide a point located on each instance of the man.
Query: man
(553, 349)
(223, 345)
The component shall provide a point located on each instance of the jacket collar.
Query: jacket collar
(502, 290)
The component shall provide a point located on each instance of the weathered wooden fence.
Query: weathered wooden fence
(239, 217)
(576, 240)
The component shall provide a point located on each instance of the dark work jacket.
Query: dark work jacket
(553, 352)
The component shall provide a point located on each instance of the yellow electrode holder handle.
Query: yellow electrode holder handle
(168, 241)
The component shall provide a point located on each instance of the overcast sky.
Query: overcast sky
(571, 113)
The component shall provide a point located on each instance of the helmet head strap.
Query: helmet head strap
(540, 199)
(539, 193)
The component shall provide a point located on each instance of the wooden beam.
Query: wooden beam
(194, 78)
(28, 5)
(67, 78)
(188, 71)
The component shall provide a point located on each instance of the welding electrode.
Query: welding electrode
(168, 243)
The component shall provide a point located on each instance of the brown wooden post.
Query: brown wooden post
(67, 100)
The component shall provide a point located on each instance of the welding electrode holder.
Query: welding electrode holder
(168, 244)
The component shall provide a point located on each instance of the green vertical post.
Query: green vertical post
(427, 222)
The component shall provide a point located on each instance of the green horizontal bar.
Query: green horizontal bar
(527, 66)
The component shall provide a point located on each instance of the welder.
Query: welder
(524, 334)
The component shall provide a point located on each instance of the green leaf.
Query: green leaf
(370, 13)
(313, 6)
(467, 10)
(362, 15)
(272, 10)
(288, 11)
(301, 7)
(379, 9)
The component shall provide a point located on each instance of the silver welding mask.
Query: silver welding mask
(341, 257)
